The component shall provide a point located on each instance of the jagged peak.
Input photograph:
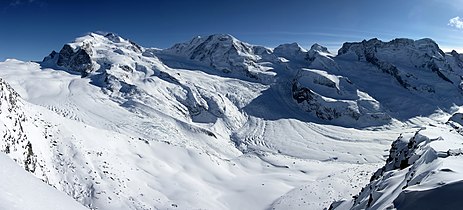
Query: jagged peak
(319, 48)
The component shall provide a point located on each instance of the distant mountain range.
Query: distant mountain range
(217, 123)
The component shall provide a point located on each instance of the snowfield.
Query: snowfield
(20, 190)
(215, 123)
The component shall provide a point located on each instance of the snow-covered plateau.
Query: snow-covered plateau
(217, 123)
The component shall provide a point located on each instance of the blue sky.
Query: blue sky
(30, 29)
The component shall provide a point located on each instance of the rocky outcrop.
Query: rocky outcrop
(458, 58)
(77, 60)
(412, 167)
(73, 58)
(335, 98)
(456, 121)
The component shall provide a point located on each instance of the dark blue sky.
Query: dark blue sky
(30, 29)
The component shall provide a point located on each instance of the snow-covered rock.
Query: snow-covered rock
(22, 191)
(415, 64)
(335, 98)
(321, 58)
(456, 121)
(15, 141)
(420, 173)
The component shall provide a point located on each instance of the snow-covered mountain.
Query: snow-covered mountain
(217, 123)
(225, 53)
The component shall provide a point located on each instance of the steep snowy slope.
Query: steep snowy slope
(216, 123)
(22, 191)
(15, 141)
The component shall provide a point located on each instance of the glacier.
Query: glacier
(217, 123)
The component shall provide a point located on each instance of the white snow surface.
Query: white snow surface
(216, 123)
(20, 190)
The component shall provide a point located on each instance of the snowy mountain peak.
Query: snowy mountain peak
(211, 43)
(97, 38)
(319, 51)
(293, 46)
(225, 53)
(224, 38)
(291, 51)
(82, 56)
(319, 48)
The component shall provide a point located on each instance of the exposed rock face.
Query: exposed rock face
(458, 58)
(73, 58)
(456, 121)
(77, 60)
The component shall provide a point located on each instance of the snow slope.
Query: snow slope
(216, 123)
(422, 172)
(22, 191)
